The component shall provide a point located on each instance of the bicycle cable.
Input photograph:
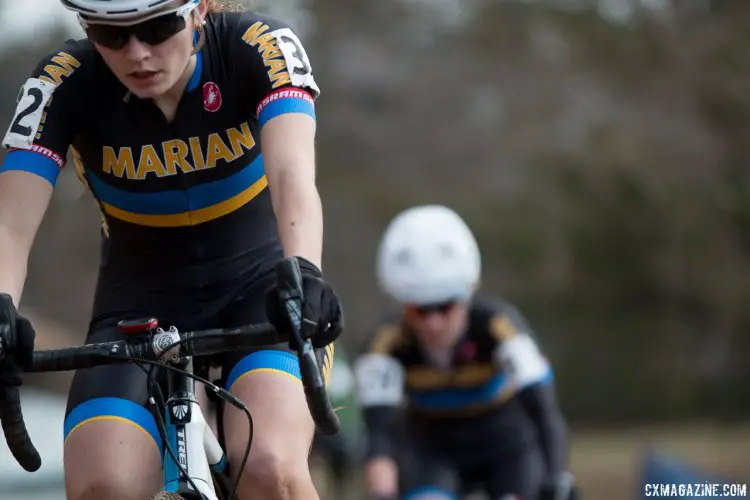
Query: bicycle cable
(219, 391)
(160, 420)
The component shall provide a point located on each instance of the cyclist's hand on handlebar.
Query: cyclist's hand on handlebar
(16, 333)
(322, 314)
(17, 342)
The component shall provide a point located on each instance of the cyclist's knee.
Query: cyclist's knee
(277, 466)
(273, 476)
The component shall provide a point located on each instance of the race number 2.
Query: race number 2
(34, 96)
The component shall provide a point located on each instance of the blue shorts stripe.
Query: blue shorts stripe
(271, 361)
(452, 399)
(113, 409)
(179, 201)
(35, 163)
(284, 106)
(433, 491)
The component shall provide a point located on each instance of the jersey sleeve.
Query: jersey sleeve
(43, 125)
(517, 352)
(274, 68)
(379, 377)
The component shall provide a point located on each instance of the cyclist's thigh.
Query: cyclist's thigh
(110, 435)
(519, 474)
(425, 474)
(268, 381)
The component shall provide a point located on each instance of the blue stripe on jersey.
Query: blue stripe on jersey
(284, 106)
(545, 378)
(178, 201)
(454, 399)
(29, 161)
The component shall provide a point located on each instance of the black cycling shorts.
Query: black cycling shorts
(428, 467)
(120, 392)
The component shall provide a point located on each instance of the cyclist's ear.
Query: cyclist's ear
(202, 10)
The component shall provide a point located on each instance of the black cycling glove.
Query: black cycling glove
(322, 315)
(17, 340)
(17, 336)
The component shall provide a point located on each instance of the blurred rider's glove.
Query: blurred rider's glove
(322, 314)
(559, 487)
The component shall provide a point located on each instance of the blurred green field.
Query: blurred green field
(608, 462)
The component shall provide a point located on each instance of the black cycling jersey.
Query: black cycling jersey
(185, 205)
(492, 403)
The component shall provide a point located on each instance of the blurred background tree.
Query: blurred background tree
(599, 149)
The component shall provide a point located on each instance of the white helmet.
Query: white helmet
(428, 255)
(123, 10)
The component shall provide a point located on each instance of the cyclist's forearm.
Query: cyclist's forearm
(289, 160)
(541, 404)
(299, 215)
(13, 263)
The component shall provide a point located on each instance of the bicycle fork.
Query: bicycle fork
(191, 440)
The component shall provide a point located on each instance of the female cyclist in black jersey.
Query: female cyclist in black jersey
(456, 393)
(194, 130)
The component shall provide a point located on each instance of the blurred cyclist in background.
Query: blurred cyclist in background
(457, 395)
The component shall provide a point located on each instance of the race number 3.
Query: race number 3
(297, 62)
(34, 96)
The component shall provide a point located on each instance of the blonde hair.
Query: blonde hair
(213, 6)
(223, 6)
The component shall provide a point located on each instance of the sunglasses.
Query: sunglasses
(151, 30)
(427, 309)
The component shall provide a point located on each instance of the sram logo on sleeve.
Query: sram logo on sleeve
(34, 96)
(283, 55)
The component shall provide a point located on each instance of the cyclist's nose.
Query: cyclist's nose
(435, 320)
(135, 50)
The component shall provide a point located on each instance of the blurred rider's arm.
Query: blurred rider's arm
(520, 356)
(380, 392)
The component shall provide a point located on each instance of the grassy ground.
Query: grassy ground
(607, 463)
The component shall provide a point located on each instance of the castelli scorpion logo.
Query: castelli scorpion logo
(211, 97)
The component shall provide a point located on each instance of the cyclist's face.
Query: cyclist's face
(150, 70)
(438, 326)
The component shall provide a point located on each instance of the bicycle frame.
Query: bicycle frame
(191, 439)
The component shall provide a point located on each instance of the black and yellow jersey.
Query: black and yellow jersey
(493, 399)
(495, 358)
(184, 203)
